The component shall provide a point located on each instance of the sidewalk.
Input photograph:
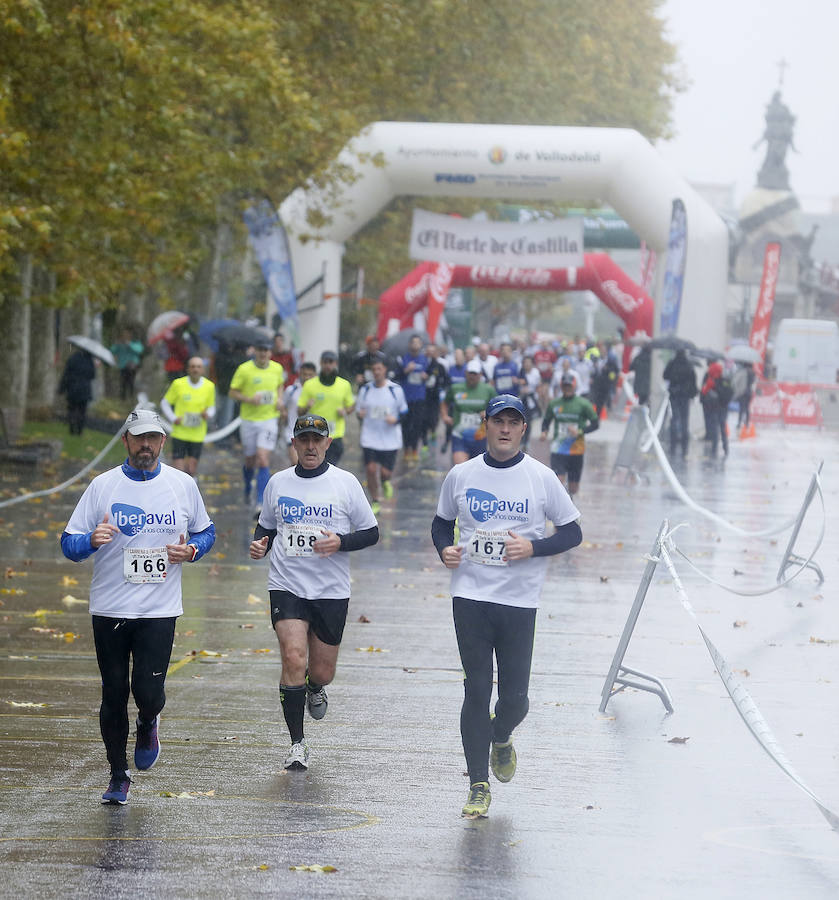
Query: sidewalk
(601, 806)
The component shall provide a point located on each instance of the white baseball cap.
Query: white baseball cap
(143, 421)
(474, 365)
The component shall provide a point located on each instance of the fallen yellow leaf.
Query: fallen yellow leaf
(26, 704)
(372, 649)
(68, 581)
(312, 868)
(36, 534)
(70, 600)
(253, 599)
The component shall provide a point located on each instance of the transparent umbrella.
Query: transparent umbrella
(93, 347)
(164, 324)
(743, 353)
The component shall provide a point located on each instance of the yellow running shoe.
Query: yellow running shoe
(477, 803)
(387, 489)
(502, 760)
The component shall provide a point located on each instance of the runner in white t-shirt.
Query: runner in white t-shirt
(502, 501)
(381, 406)
(312, 515)
(141, 521)
(291, 395)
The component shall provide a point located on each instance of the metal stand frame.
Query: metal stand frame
(790, 558)
(618, 672)
(630, 444)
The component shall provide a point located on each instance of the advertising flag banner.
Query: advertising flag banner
(674, 272)
(270, 244)
(556, 244)
(765, 301)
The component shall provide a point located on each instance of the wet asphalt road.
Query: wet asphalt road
(601, 805)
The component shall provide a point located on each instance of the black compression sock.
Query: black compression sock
(293, 702)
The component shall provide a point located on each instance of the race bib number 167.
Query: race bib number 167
(487, 547)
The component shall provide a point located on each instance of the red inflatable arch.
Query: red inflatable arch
(428, 285)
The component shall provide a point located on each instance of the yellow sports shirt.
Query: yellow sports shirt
(261, 386)
(188, 401)
(328, 399)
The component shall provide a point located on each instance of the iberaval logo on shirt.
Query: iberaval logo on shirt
(484, 506)
(132, 520)
(293, 510)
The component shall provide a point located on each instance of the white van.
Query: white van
(807, 350)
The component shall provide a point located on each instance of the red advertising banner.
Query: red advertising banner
(765, 301)
(429, 282)
(787, 403)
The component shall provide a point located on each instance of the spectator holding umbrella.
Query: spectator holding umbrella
(76, 382)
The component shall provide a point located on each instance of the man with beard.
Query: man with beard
(141, 521)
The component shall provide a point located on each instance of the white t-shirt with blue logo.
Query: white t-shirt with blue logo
(488, 502)
(301, 509)
(149, 515)
(378, 403)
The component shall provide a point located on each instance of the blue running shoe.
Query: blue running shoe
(147, 746)
(118, 787)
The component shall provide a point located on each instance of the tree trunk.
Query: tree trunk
(43, 377)
(14, 351)
(216, 308)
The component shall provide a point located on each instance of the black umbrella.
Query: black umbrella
(705, 353)
(671, 342)
(397, 344)
(244, 335)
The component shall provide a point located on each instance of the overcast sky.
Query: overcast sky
(729, 51)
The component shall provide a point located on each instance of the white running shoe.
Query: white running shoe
(298, 756)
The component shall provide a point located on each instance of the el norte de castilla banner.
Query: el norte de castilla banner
(556, 244)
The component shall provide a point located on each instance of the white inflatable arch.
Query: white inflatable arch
(531, 163)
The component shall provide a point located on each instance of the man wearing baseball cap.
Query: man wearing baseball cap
(463, 409)
(314, 514)
(141, 522)
(572, 417)
(330, 396)
(257, 385)
(502, 501)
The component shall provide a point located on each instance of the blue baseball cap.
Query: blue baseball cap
(504, 401)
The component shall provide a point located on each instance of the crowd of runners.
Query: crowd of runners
(142, 521)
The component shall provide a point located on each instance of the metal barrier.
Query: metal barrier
(631, 442)
(618, 672)
(790, 558)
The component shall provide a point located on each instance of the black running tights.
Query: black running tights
(149, 642)
(484, 628)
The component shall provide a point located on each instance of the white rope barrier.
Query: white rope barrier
(689, 501)
(743, 702)
(65, 484)
(212, 437)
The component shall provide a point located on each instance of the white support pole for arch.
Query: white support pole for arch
(531, 163)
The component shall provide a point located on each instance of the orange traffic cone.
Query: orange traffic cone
(744, 433)
(603, 414)
(752, 430)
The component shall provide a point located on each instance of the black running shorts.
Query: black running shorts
(182, 449)
(565, 464)
(326, 618)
